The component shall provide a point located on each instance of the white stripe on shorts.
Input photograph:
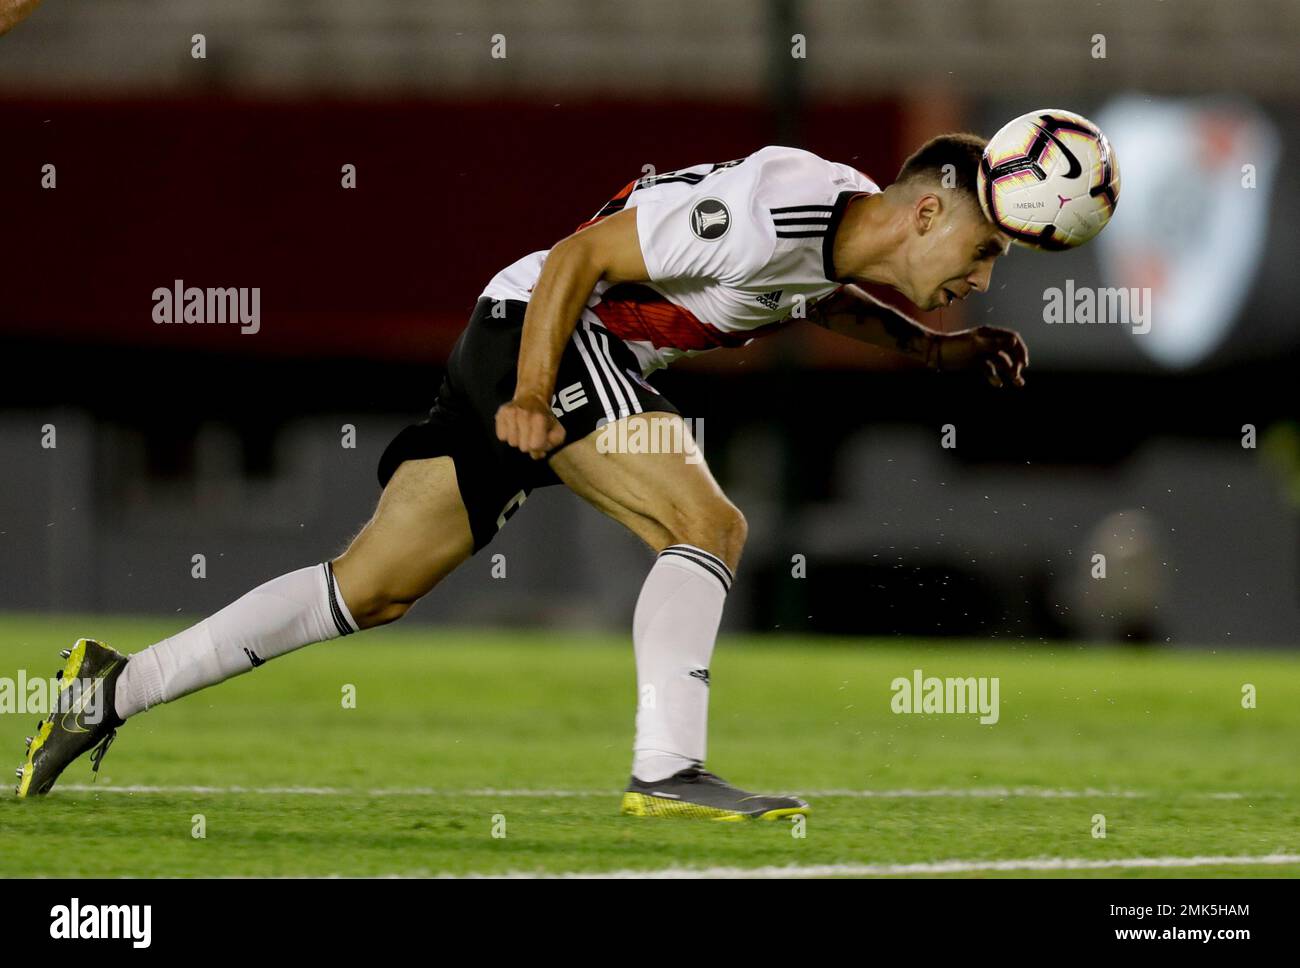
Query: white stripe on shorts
(633, 402)
(600, 344)
(594, 372)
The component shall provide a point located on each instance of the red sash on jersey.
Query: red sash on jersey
(635, 312)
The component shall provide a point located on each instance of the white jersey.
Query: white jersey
(731, 250)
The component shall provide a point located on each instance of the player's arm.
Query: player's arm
(609, 250)
(13, 12)
(852, 312)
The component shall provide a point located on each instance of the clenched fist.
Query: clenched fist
(527, 422)
(1000, 353)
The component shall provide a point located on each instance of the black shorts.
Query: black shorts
(599, 380)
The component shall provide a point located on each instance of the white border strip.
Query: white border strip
(974, 793)
(936, 867)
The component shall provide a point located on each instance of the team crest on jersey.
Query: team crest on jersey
(710, 219)
(640, 380)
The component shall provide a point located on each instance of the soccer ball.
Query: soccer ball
(1049, 179)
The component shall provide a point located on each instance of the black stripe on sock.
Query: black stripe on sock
(722, 580)
(691, 549)
(705, 560)
(339, 620)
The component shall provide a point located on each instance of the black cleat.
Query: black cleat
(696, 793)
(86, 687)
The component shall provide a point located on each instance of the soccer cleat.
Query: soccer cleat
(66, 734)
(697, 794)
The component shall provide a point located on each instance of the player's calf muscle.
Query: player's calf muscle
(418, 535)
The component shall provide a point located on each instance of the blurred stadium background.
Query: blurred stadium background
(174, 441)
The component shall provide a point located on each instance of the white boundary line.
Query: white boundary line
(907, 793)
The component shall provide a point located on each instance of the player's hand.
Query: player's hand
(527, 422)
(1000, 353)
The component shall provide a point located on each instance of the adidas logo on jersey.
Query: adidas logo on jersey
(772, 300)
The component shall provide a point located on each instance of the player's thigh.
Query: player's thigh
(419, 533)
(665, 496)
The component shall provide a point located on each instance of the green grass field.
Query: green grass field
(454, 734)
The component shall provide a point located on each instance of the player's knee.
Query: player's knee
(734, 527)
(381, 588)
(718, 527)
(380, 612)
(373, 604)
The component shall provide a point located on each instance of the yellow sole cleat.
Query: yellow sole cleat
(696, 794)
(83, 719)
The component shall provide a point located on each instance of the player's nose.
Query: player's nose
(979, 279)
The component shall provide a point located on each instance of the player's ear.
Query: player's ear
(925, 212)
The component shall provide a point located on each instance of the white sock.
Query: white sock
(673, 633)
(286, 613)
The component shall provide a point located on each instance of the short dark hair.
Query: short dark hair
(963, 151)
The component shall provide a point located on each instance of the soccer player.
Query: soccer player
(557, 349)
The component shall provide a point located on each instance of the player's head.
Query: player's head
(949, 246)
